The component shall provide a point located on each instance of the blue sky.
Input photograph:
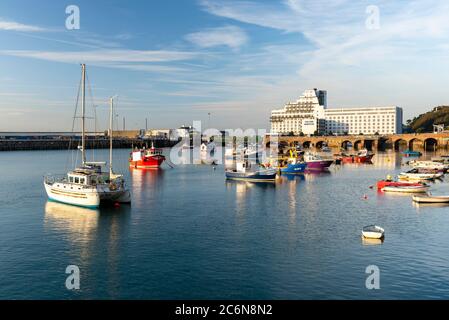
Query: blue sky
(176, 61)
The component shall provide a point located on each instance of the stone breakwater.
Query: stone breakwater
(64, 144)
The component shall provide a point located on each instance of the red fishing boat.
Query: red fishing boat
(389, 182)
(364, 156)
(146, 158)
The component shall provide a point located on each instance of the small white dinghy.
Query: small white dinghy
(373, 232)
(431, 199)
(406, 189)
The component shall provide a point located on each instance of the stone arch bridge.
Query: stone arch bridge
(423, 141)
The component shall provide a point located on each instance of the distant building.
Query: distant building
(310, 115)
(381, 120)
(307, 110)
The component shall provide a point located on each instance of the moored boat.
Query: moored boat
(406, 189)
(293, 168)
(389, 183)
(429, 165)
(363, 156)
(244, 171)
(146, 158)
(87, 185)
(373, 232)
(411, 153)
(431, 199)
(417, 174)
(316, 162)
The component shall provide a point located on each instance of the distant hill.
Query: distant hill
(424, 122)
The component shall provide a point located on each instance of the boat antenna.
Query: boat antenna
(83, 111)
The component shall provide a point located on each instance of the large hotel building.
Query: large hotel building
(309, 115)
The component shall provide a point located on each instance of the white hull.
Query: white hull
(90, 197)
(406, 189)
(373, 232)
(372, 235)
(419, 176)
(431, 199)
(78, 196)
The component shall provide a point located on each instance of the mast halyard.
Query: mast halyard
(83, 116)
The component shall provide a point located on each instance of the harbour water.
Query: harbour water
(189, 234)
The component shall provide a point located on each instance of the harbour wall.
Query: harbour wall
(65, 144)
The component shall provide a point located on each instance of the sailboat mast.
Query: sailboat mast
(111, 113)
(83, 111)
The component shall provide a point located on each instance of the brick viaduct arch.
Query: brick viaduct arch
(425, 141)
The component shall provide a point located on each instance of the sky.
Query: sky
(176, 61)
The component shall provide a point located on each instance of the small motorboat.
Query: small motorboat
(411, 153)
(420, 174)
(373, 232)
(406, 189)
(429, 165)
(431, 199)
(389, 183)
(244, 171)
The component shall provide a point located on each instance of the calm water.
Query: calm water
(189, 234)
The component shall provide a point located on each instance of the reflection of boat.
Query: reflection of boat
(146, 158)
(87, 185)
(373, 232)
(411, 153)
(316, 162)
(441, 159)
(244, 171)
(406, 189)
(79, 220)
(431, 199)
(371, 241)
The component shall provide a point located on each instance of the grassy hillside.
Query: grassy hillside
(424, 122)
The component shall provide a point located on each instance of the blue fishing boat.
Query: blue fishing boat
(244, 171)
(411, 153)
(294, 166)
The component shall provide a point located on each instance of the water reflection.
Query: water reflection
(418, 205)
(146, 180)
(371, 242)
(78, 223)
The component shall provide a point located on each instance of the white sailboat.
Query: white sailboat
(88, 185)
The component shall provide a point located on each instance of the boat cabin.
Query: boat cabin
(82, 177)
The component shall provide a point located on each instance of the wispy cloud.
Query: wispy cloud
(103, 55)
(16, 26)
(230, 36)
(340, 51)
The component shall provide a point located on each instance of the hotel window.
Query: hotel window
(77, 180)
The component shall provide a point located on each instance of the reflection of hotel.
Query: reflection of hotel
(309, 115)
